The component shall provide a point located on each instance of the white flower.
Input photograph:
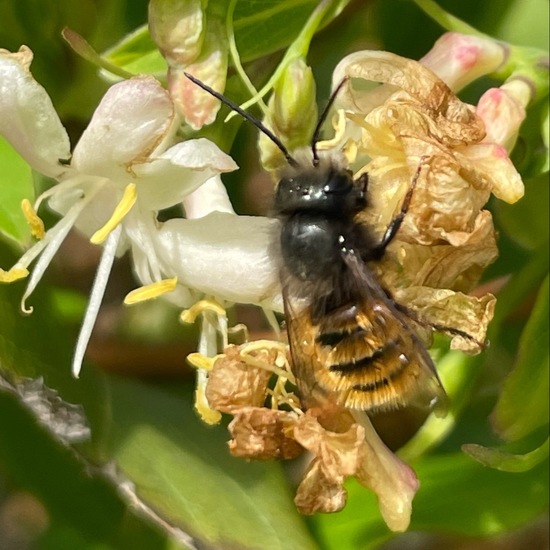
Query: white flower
(123, 170)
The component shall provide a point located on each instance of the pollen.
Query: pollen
(128, 200)
(14, 274)
(148, 292)
(189, 315)
(35, 223)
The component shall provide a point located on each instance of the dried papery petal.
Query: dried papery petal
(337, 456)
(261, 434)
(442, 265)
(233, 384)
(338, 453)
(401, 73)
(488, 165)
(317, 493)
(445, 308)
(393, 481)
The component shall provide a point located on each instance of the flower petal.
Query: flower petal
(232, 383)
(27, 117)
(211, 196)
(393, 481)
(490, 163)
(400, 73)
(96, 297)
(222, 255)
(167, 178)
(133, 119)
(261, 434)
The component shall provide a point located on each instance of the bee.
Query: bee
(351, 344)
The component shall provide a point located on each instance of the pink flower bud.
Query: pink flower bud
(459, 59)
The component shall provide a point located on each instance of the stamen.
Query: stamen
(148, 292)
(207, 414)
(200, 361)
(123, 207)
(47, 248)
(14, 274)
(189, 315)
(35, 223)
(98, 290)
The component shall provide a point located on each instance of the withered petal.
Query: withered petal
(261, 434)
(338, 454)
(445, 308)
(232, 383)
(317, 493)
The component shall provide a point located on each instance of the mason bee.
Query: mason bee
(350, 343)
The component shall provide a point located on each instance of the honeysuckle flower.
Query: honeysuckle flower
(415, 127)
(339, 444)
(124, 169)
(412, 128)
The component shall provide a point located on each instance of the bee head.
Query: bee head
(325, 188)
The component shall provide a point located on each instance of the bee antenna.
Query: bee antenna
(247, 116)
(322, 119)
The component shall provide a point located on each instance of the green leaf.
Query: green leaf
(55, 474)
(507, 462)
(261, 27)
(16, 184)
(183, 469)
(456, 495)
(136, 53)
(526, 221)
(523, 404)
(179, 467)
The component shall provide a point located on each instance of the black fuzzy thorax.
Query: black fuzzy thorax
(318, 208)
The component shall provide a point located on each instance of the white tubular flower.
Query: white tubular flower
(221, 255)
(123, 170)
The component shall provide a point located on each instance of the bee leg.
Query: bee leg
(451, 331)
(395, 224)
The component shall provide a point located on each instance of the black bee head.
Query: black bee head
(324, 189)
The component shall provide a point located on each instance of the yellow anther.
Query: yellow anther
(200, 361)
(207, 413)
(189, 315)
(148, 292)
(122, 208)
(35, 223)
(13, 274)
(256, 345)
(253, 361)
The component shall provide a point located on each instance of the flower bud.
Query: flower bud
(503, 110)
(177, 29)
(196, 106)
(292, 112)
(459, 59)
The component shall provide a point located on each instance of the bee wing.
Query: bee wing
(390, 366)
(306, 362)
